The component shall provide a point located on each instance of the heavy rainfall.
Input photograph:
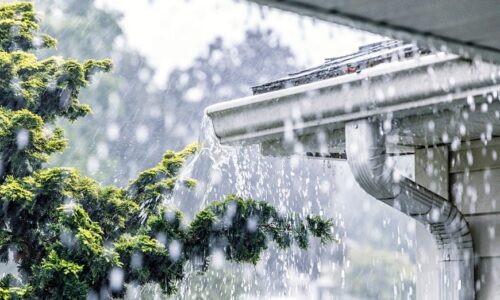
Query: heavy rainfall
(167, 191)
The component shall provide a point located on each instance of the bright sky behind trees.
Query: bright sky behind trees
(172, 33)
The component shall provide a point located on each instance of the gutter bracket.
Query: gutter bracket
(373, 169)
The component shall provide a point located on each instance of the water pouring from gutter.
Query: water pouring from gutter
(221, 170)
(430, 100)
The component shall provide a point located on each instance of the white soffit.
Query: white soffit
(470, 28)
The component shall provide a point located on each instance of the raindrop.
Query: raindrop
(489, 98)
(22, 138)
(387, 125)
(252, 224)
(462, 129)
(67, 239)
(174, 250)
(141, 134)
(489, 131)
(465, 115)
(484, 107)
(113, 132)
(435, 213)
(170, 215)
(218, 259)
(194, 94)
(431, 125)
(288, 131)
(455, 144)
(92, 295)
(487, 188)
(136, 261)
(491, 232)
(116, 277)
(472, 104)
(161, 238)
(445, 137)
(470, 158)
(391, 91)
(64, 98)
(93, 165)
(379, 95)
(102, 150)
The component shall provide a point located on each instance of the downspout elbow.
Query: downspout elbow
(368, 160)
(373, 169)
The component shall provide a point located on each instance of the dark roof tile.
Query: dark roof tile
(368, 56)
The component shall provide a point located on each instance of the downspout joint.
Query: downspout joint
(374, 171)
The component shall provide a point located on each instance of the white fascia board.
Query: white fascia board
(402, 88)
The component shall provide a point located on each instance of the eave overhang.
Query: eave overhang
(467, 28)
(441, 89)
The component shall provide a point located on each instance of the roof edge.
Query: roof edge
(467, 50)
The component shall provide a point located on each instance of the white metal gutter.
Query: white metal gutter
(348, 111)
(441, 79)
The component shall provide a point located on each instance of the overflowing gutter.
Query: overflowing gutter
(391, 108)
(444, 81)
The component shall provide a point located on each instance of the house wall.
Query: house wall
(470, 178)
(475, 190)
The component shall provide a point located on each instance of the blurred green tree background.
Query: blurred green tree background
(134, 121)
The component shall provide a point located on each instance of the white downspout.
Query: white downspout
(374, 171)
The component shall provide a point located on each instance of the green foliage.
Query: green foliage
(57, 278)
(17, 27)
(25, 143)
(130, 100)
(9, 288)
(68, 233)
(48, 88)
(244, 227)
(34, 91)
(156, 265)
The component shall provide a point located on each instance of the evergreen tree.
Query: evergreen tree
(129, 104)
(70, 236)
